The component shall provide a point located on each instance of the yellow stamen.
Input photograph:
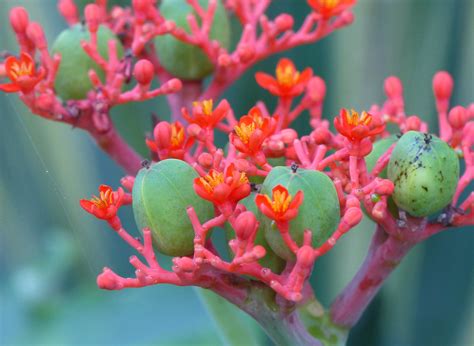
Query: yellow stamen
(244, 131)
(211, 180)
(206, 106)
(287, 76)
(177, 135)
(104, 200)
(281, 201)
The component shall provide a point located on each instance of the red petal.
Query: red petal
(86, 205)
(104, 188)
(266, 81)
(9, 88)
(297, 200)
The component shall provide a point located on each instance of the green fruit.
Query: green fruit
(271, 260)
(72, 81)
(319, 211)
(425, 172)
(183, 60)
(379, 148)
(161, 194)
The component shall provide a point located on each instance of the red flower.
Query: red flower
(282, 207)
(355, 127)
(330, 8)
(252, 131)
(288, 83)
(204, 115)
(105, 206)
(22, 73)
(169, 140)
(218, 187)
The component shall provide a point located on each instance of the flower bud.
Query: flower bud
(458, 117)
(144, 72)
(393, 87)
(352, 216)
(412, 123)
(19, 19)
(245, 225)
(206, 160)
(284, 22)
(92, 16)
(316, 89)
(305, 256)
(68, 10)
(443, 85)
(35, 33)
(162, 134)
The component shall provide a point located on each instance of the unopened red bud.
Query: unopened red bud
(205, 160)
(352, 216)
(224, 60)
(92, 16)
(347, 17)
(275, 145)
(246, 53)
(194, 130)
(144, 72)
(284, 22)
(242, 165)
(35, 33)
(352, 202)
(458, 117)
(413, 123)
(316, 89)
(259, 251)
(68, 9)
(321, 135)
(162, 134)
(393, 87)
(245, 225)
(174, 85)
(106, 280)
(380, 210)
(305, 256)
(45, 101)
(127, 182)
(288, 135)
(443, 85)
(141, 5)
(19, 19)
(385, 187)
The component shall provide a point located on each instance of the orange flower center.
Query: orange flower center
(287, 76)
(243, 178)
(244, 131)
(20, 69)
(206, 106)
(211, 180)
(177, 135)
(330, 4)
(105, 199)
(281, 201)
(353, 119)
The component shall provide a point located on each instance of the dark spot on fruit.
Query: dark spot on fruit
(294, 167)
(424, 188)
(427, 138)
(146, 164)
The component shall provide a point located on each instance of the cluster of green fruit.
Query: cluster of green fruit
(423, 168)
(182, 60)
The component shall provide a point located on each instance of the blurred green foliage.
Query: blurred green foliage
(51, 251)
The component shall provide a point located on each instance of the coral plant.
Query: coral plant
(284, 199)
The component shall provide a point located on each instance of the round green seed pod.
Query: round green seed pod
(183, 60)
(271, 260)
(425, 172)
(319, 211)
(161, 194)
(72, 80)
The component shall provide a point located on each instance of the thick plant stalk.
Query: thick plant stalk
(384, 254)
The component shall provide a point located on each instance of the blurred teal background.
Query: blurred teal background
(51, 251)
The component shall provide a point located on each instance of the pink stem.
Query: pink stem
(384, 254)
(116, 147)
(189, 93)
